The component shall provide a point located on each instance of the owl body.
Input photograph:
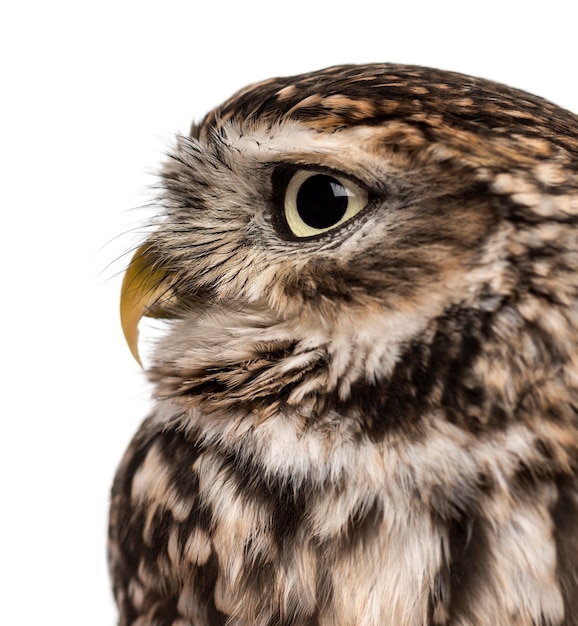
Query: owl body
(366, 396)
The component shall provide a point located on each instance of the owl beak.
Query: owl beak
(146, 290)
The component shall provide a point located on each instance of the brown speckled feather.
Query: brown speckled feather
(372, 421)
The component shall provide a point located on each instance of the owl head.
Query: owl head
(364, 236)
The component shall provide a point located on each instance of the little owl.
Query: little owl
(366, 394)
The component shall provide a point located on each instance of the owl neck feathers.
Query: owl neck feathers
(479, 370)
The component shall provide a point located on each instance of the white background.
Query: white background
(90, 94)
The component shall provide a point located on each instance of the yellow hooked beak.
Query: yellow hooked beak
(145, 287)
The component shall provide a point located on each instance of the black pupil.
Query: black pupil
(321, 201)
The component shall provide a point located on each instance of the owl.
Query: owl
(366, 389)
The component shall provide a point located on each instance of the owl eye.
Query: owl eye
(316, 202)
